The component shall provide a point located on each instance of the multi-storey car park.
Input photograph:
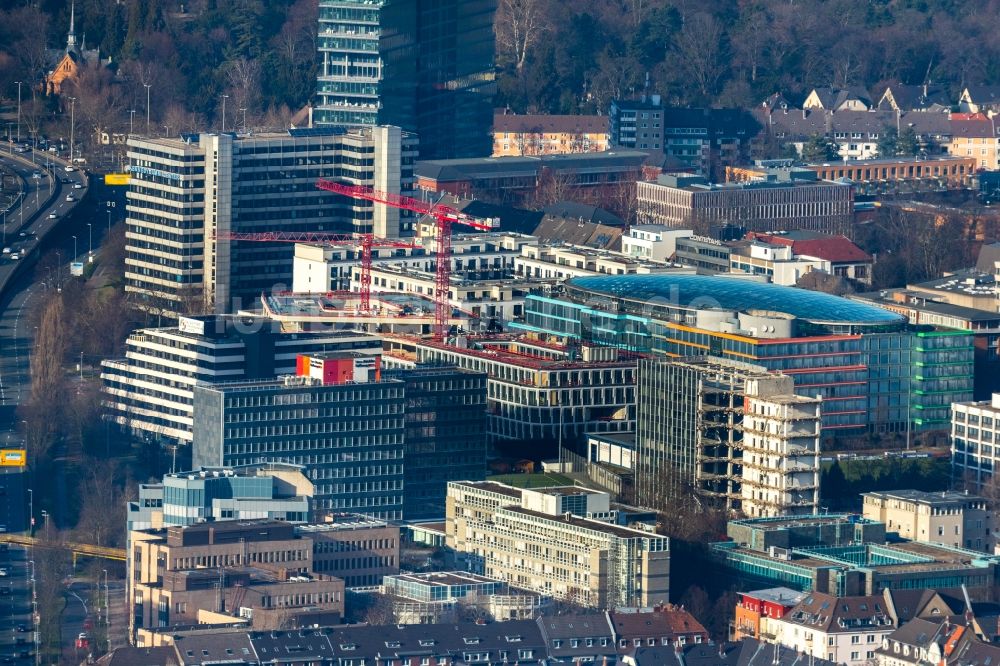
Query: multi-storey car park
(874, 371)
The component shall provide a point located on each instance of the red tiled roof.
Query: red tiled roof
(669, 622)
(836, 249)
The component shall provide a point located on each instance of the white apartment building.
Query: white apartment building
(150, 392)
(656, 242)
(561, 262)
(488, 301)
(319, 268)
(780, 450)
(778, 262)
(558, 542)
(844, 630)
(185, 191)
(975, 436)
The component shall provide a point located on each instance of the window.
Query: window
(855, 656)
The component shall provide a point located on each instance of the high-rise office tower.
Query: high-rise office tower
(424, 65)
(187, 193)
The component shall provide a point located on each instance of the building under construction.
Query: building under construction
(733, 432)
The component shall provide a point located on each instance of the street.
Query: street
(17, 636)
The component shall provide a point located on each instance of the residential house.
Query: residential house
(916, 643)
(532, 134)
(755, 609)
(855, 133)
(976, 135)
(845, 630)
(663, 625)
(904, 98)
(843, 256)
(979, 99)
(838, 99)
(579, 638)
(747, 652)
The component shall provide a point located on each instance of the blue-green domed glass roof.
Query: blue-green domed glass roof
(700, 292)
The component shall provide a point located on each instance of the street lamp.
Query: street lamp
(148, 86)
(244, 120)
(18, 110)
(131, 120)
(90, 241)
(31, 512)
(224, 98)
(72, 126)
(74, 247)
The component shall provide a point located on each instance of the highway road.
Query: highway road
(17, 637)
(51, 193)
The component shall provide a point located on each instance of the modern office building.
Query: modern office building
(536, 391)
(185, 191)
(150, 391)
(947, 517)
(558, 542)
(443, 597)
(277, 491)
(337, 416)
(731, 431)
(445, 436)
(517, 180)
(871, 368)
(423, 65)
(975, 436)
(845, 555)
(787, 199)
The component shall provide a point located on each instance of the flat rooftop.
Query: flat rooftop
(943, 498)
(491, 487)
(779, 595)
(595, 525)
(624, 439)
(444, 578)
(494, 351)
(782, 523)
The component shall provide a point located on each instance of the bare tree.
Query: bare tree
(520, 26)
(700, 51)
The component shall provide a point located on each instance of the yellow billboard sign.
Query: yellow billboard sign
(116, 179)
(13, 457)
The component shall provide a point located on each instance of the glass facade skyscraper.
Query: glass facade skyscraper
(423, 65)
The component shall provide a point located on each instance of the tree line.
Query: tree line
(570, 56)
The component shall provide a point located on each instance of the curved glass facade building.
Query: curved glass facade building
(874, 371)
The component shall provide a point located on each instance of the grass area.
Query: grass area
(540, 480)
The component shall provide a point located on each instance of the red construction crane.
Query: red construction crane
(444, 216)
(367, 242)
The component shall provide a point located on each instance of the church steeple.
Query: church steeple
(71, 35)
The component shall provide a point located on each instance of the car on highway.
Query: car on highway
(53, 216)
(70, 197)
(7, 250)
(77, 186)
(15, 256)
(3, 572)
(69, 169)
